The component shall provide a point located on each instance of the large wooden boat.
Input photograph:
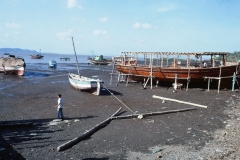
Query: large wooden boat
(158, 70)
(84, 83)
(12, 65)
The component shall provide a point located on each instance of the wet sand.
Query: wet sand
(31, 99)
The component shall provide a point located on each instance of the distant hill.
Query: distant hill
(16, 50)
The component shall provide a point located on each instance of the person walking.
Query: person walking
(60, 107)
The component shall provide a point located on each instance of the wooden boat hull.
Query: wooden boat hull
(36, 57)
(85, 83)
(18, 70)
(97, 62)
(167, 75)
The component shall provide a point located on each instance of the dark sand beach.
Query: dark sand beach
(211, 133)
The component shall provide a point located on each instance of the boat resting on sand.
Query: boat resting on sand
(12, 65)
(85, 84)
(192, 74)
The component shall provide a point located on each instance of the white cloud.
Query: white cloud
(78, 19)
(6, 35)
(65, 35)
(104, 19)
(136, 25)
(73, 4)
(98, 32)
(166, 9)
(140, 41)
(13, 25)
(144, 25)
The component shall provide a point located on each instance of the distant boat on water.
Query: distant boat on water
(52, 64)
(99, 60)
(37, 56)
(84, 83)
(12, 65)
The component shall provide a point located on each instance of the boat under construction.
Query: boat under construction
(167, 68)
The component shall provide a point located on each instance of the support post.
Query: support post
(151, 63)
(219, 81)
(233, 81)
(188, 79)
(208, 84)
(175, 84)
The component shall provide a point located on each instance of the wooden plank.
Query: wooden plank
(178, 101)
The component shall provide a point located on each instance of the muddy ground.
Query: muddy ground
(211, 133)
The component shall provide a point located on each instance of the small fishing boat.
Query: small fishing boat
(12, 65)
(37, 56)
(52, 64)
(99, 60)
(84, 83)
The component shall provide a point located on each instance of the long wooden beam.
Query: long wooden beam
(178, 53)
(178, 101)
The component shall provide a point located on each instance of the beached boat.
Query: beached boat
(157, 70)
(99, 60)
(103, 62)
(36, 56)
(52, 64)
(12, 65)
(84, 83)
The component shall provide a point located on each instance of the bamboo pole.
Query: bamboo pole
(151, 114)
(178, 101)
(88, 133)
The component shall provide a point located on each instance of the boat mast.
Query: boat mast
(76, 57)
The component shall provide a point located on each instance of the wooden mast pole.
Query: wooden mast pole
(76, 57)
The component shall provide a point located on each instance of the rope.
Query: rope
(118, 99)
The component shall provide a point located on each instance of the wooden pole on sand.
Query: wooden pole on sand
(178, 101)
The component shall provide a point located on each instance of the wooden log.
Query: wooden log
(178, 101)
(151, 114)
(88, 133)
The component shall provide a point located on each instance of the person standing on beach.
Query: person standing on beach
(60, 107)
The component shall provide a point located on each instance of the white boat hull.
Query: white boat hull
(18, 70)
(85, 84)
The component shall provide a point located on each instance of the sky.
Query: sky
(109, 27)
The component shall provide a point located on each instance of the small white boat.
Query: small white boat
(85, 84)
(52, 64)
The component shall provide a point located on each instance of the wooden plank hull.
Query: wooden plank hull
(167, 75)
(85, 83)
